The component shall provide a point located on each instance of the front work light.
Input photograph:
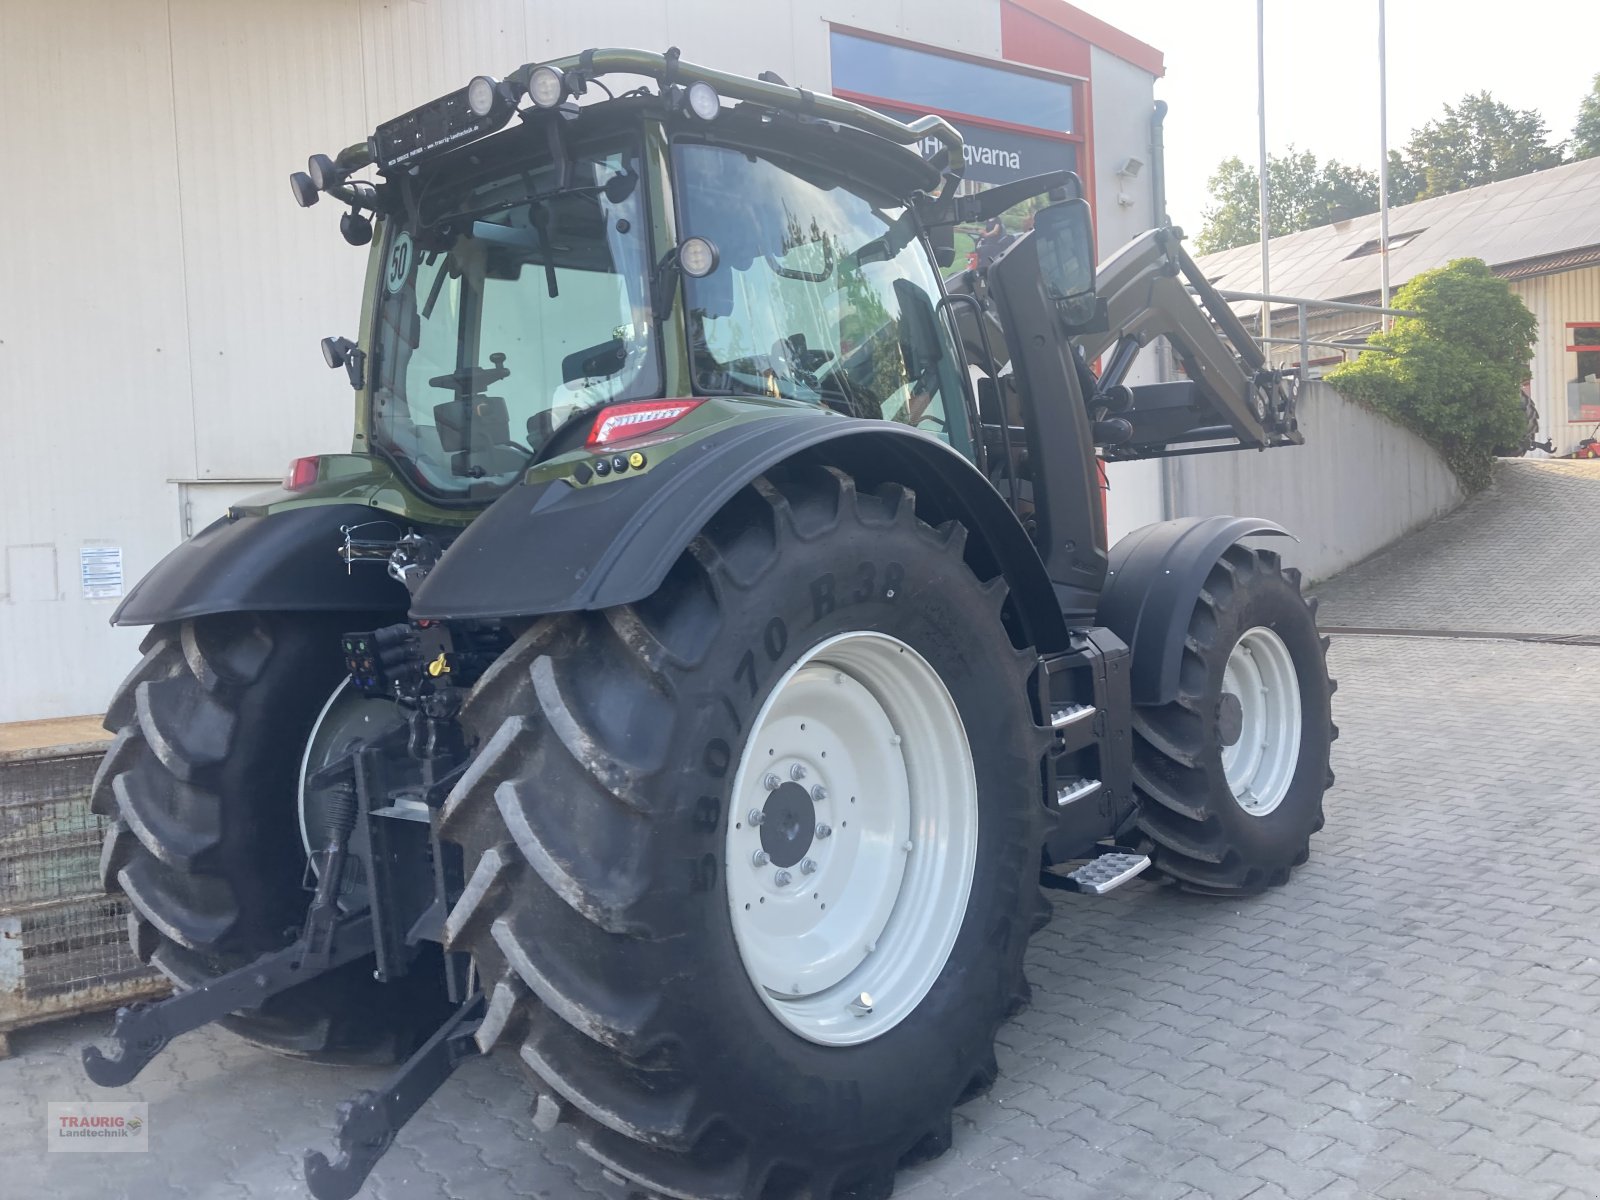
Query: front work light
(697, 257)
(704, 101)
(547, 86)
(483, 93)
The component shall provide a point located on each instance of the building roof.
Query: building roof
(1532, 225)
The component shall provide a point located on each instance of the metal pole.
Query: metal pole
(1265, 199)
(1305, 343)
(1383, 162)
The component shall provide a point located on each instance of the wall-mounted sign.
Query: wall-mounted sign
(1003, 104)
(999, 155)
(100, 569)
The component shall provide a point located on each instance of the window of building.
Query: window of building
(1396, 240)
(938, 83)
(1583, 389)
(1584, 341)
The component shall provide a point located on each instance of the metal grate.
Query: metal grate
(63, 943)
(76, 947)
(49, 840)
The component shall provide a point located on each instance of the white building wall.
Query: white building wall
(163, 296)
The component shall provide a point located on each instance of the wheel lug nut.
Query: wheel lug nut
(824, 831)
(755, 816)
(771, 782)
(797, 772)
(808, 866)
(782, 878)
(818, 793)
(760, 858)
(862, 1005)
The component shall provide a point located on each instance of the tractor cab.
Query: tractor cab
(566, 280)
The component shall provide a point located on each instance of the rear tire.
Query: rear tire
(1230, 792)
(595, 826)
(200, 787)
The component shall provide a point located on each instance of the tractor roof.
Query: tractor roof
(487, 105)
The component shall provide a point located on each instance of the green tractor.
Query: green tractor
(709, 647)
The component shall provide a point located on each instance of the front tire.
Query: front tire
(605, 826)
(1229, 777)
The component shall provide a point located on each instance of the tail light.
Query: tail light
(302, 474)
(636, 419)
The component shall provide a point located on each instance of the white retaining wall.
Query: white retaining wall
(1358, 483)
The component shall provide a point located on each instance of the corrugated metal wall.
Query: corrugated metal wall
(1555, 300)
(163, 296)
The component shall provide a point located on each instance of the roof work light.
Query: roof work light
(704, 101)
(483, 93)
(547, 86)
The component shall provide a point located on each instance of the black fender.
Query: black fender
(552, 546)
(1153, 579)
(287, 561)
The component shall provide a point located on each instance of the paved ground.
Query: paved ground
(1518, 557)
(1416, 1016)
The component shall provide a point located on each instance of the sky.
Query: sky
(1322, 73)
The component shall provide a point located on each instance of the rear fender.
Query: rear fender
(284, 561)
(556, 546)
(1153, 579)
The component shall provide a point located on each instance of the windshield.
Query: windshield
(819, 294)
(504, 310)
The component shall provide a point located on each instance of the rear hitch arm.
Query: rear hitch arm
(368, 1122)
(142, 1031)
(326, 941)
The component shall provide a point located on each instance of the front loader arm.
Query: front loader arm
(1229, 399)
(1230, 393)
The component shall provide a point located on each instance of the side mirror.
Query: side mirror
(942, 239)
(1065, 236)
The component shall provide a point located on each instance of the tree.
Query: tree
(1304, 194)
(1477, 141)
(1454, 372)
(1586, 134)
(1405, 180)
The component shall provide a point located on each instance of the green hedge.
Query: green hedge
(1455, 371)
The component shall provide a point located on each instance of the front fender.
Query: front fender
(1153, 579)
(285, 561)
(554, 546)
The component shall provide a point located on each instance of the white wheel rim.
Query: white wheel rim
(847, 947)
(1260, 764)
(348, 716)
